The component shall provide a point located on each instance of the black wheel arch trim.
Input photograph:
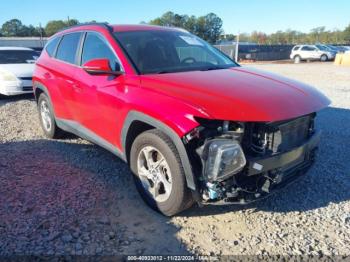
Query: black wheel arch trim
(83, 132)
(138, 116)
(38, 85)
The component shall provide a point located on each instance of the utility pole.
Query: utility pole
(68, 21)
(236, 51)
(41, 35)
(41, 31)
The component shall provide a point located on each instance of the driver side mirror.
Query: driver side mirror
(101, 67)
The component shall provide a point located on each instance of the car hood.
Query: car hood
(239, 93)
(20, 70)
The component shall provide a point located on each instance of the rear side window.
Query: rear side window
(95, 47)
(296, 48)
(51, 46)
(308, 48)
(68, 48)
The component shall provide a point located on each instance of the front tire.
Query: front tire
(47, 118)
(158, 173)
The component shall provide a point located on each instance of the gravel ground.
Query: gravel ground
(71, 197)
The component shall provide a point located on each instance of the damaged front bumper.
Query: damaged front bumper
(264, 175)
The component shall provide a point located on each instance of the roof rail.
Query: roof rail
(104, 25)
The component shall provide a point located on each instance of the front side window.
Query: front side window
(95, 47)
(68, 47)
(18, 56)
(168, 51)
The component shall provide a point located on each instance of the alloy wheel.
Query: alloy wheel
(45, 116)
(154, 173)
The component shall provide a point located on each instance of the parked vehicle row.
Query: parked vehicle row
(318, 52)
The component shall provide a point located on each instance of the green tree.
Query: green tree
(71, 22)
(346, 34)
(12, 27)
(170, 19)
(316, 33)
(190, 23)
(34, 31)
(208, 27)
(259, 37)
(213, 27)
(54, 26)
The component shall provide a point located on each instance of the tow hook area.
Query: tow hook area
(250, 189)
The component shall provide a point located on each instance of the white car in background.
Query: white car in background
(16, 70)
(311, 52)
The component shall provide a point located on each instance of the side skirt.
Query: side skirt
(81, 131)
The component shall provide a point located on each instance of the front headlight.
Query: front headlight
(7, 75)
(223, 158)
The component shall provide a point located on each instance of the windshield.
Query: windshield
(18, 56)
(165, 51)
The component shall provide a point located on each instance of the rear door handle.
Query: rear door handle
(77, 88)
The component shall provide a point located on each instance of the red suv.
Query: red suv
(193, 125)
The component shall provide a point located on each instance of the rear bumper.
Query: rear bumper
(286, 167)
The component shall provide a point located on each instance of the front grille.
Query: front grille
(27, 88)
(277, 137)
(26, 78)
(290, 134)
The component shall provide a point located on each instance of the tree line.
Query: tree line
(316, 35)
(15, 27)
(208, 27)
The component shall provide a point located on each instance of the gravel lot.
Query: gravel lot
(71, 197)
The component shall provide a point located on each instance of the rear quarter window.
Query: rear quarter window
(52, 45)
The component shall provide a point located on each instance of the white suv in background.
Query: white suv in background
(311, 52)
(16, 70)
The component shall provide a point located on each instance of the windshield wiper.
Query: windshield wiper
(213, 68)
(163, 72)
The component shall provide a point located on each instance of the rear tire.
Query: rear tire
(297, 59)
(47, 118)
(158, 173)
(323, 58)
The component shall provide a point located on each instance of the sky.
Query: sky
(238, 16)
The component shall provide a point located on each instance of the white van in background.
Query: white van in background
(311, 52)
